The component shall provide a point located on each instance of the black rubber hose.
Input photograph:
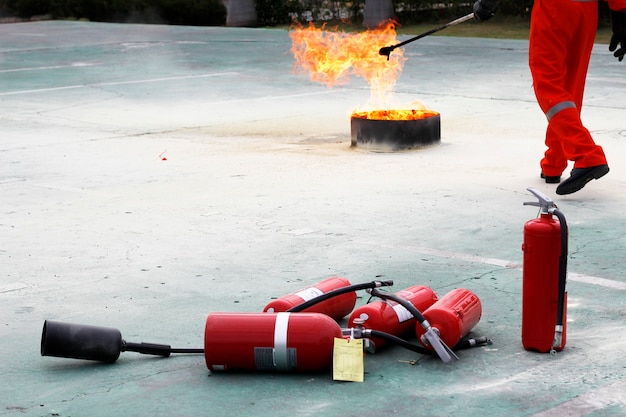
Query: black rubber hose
(187, 350)
(401, 342)
(339, 291)
(462, 345)
(404, 303)
(562, 267)
(155, 349)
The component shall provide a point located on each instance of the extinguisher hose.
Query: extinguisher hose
(562, 274)
(400, 342)
(466, 343)
(155, 349)
(339, 291)
(404, 303)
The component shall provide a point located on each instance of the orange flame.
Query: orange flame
(331, 57)
(412, 114)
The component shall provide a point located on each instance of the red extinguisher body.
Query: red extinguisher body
(390, 317)
(540, 284)
(336, 307)
(282, 342)
(453, 316)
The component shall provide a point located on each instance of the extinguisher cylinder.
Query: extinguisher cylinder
(280, 342)
(540, 284)
(390, 317)
(336, 307)
(453, 316)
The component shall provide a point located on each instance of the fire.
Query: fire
(332, 57)
(412, 114)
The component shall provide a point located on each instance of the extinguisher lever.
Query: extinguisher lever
(545, 202)
(443, 351)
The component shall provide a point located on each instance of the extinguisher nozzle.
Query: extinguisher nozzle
(95, 343)
(79, 341)
(473, 342)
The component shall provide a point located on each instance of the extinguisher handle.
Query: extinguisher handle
(545, 202)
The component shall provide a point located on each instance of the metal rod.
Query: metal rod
(386, 51)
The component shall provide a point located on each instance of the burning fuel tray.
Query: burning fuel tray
(386, 134)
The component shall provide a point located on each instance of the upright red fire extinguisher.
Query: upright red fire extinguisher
(391, 317)
(544, 274)
(336, 307)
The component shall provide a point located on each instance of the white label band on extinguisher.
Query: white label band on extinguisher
(402, 313)
(309, 293)
(281, 354)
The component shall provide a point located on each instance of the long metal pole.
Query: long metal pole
(386, 51)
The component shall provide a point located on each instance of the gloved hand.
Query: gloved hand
(618, 23)
(484, 9)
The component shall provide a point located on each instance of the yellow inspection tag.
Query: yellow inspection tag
(348, 360)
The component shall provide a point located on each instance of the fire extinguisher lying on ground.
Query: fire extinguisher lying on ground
(452, 317)
(544, 275)
(334, 296)
(284, 341)
(390, 316)
(337, 306)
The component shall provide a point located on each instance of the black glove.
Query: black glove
(484, 9)
(618, 23)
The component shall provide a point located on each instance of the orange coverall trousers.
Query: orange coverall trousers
(562, 33)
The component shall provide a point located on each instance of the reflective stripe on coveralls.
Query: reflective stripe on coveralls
(561, 106)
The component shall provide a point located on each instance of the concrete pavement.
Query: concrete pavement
(153, 174)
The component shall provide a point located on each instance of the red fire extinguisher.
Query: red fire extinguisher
(544, 274)
(286, 342)
(390, 317)
(336, 307)
(453, 316)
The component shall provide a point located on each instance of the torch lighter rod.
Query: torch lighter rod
(386, 51)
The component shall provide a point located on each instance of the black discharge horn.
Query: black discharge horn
(95, 343)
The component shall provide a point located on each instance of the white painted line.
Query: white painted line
(586, 404)
(602, 282)
(152, 80)
(75, 65)
(571, 276)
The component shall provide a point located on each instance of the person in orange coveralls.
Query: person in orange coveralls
(562, 33)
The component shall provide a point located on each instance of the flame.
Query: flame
(410, 114)
(332, 57)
